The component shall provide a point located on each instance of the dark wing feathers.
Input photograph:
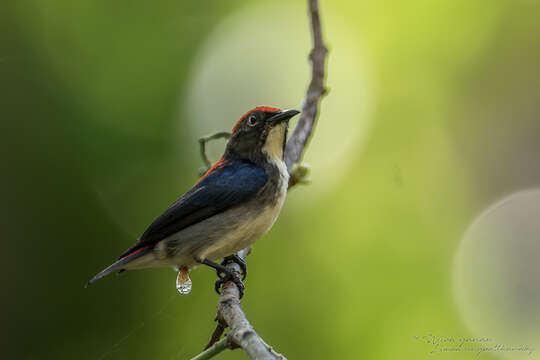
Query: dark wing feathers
(227, 185)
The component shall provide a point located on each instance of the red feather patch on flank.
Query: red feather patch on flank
(258, 108)
(214, 167)
(137, 251)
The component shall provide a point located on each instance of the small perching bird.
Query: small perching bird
(235, 203)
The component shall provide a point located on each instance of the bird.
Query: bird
(231, 206)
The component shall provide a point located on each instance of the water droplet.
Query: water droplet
(183, 282)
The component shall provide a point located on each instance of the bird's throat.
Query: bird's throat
(273, 147)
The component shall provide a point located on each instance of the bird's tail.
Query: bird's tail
(118, 265)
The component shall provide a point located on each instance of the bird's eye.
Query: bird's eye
(252, 120)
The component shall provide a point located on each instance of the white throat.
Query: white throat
(273, 147)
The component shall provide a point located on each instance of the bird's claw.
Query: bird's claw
(237, 260)
(225, 274)
(229, 276)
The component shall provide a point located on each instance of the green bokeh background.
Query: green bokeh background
(90, 88)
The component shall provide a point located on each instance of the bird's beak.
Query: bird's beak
(282, 116)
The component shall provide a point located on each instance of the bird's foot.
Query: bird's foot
(224, 275)
(237, 260)
(229, 276)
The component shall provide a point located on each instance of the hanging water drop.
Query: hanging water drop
(183, 282)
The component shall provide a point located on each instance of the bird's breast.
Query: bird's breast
(252, 220)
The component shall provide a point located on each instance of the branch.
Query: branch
(302, 132)
(242, 334)
(213, 350)
(229, 311)
(229, 308)
(203, 141)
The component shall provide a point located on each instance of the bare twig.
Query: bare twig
(229, 309)
(204, 140)
(216, 335)
(302, 132)
(213, 350)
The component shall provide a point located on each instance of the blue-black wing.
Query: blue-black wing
(228, 184)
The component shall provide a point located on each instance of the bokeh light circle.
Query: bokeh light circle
(255, 59)
(497, 273)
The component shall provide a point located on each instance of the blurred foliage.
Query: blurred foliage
(92, 97)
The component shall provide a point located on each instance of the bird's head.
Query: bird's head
(261, 132)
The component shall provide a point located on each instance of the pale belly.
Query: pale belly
(242, 236)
